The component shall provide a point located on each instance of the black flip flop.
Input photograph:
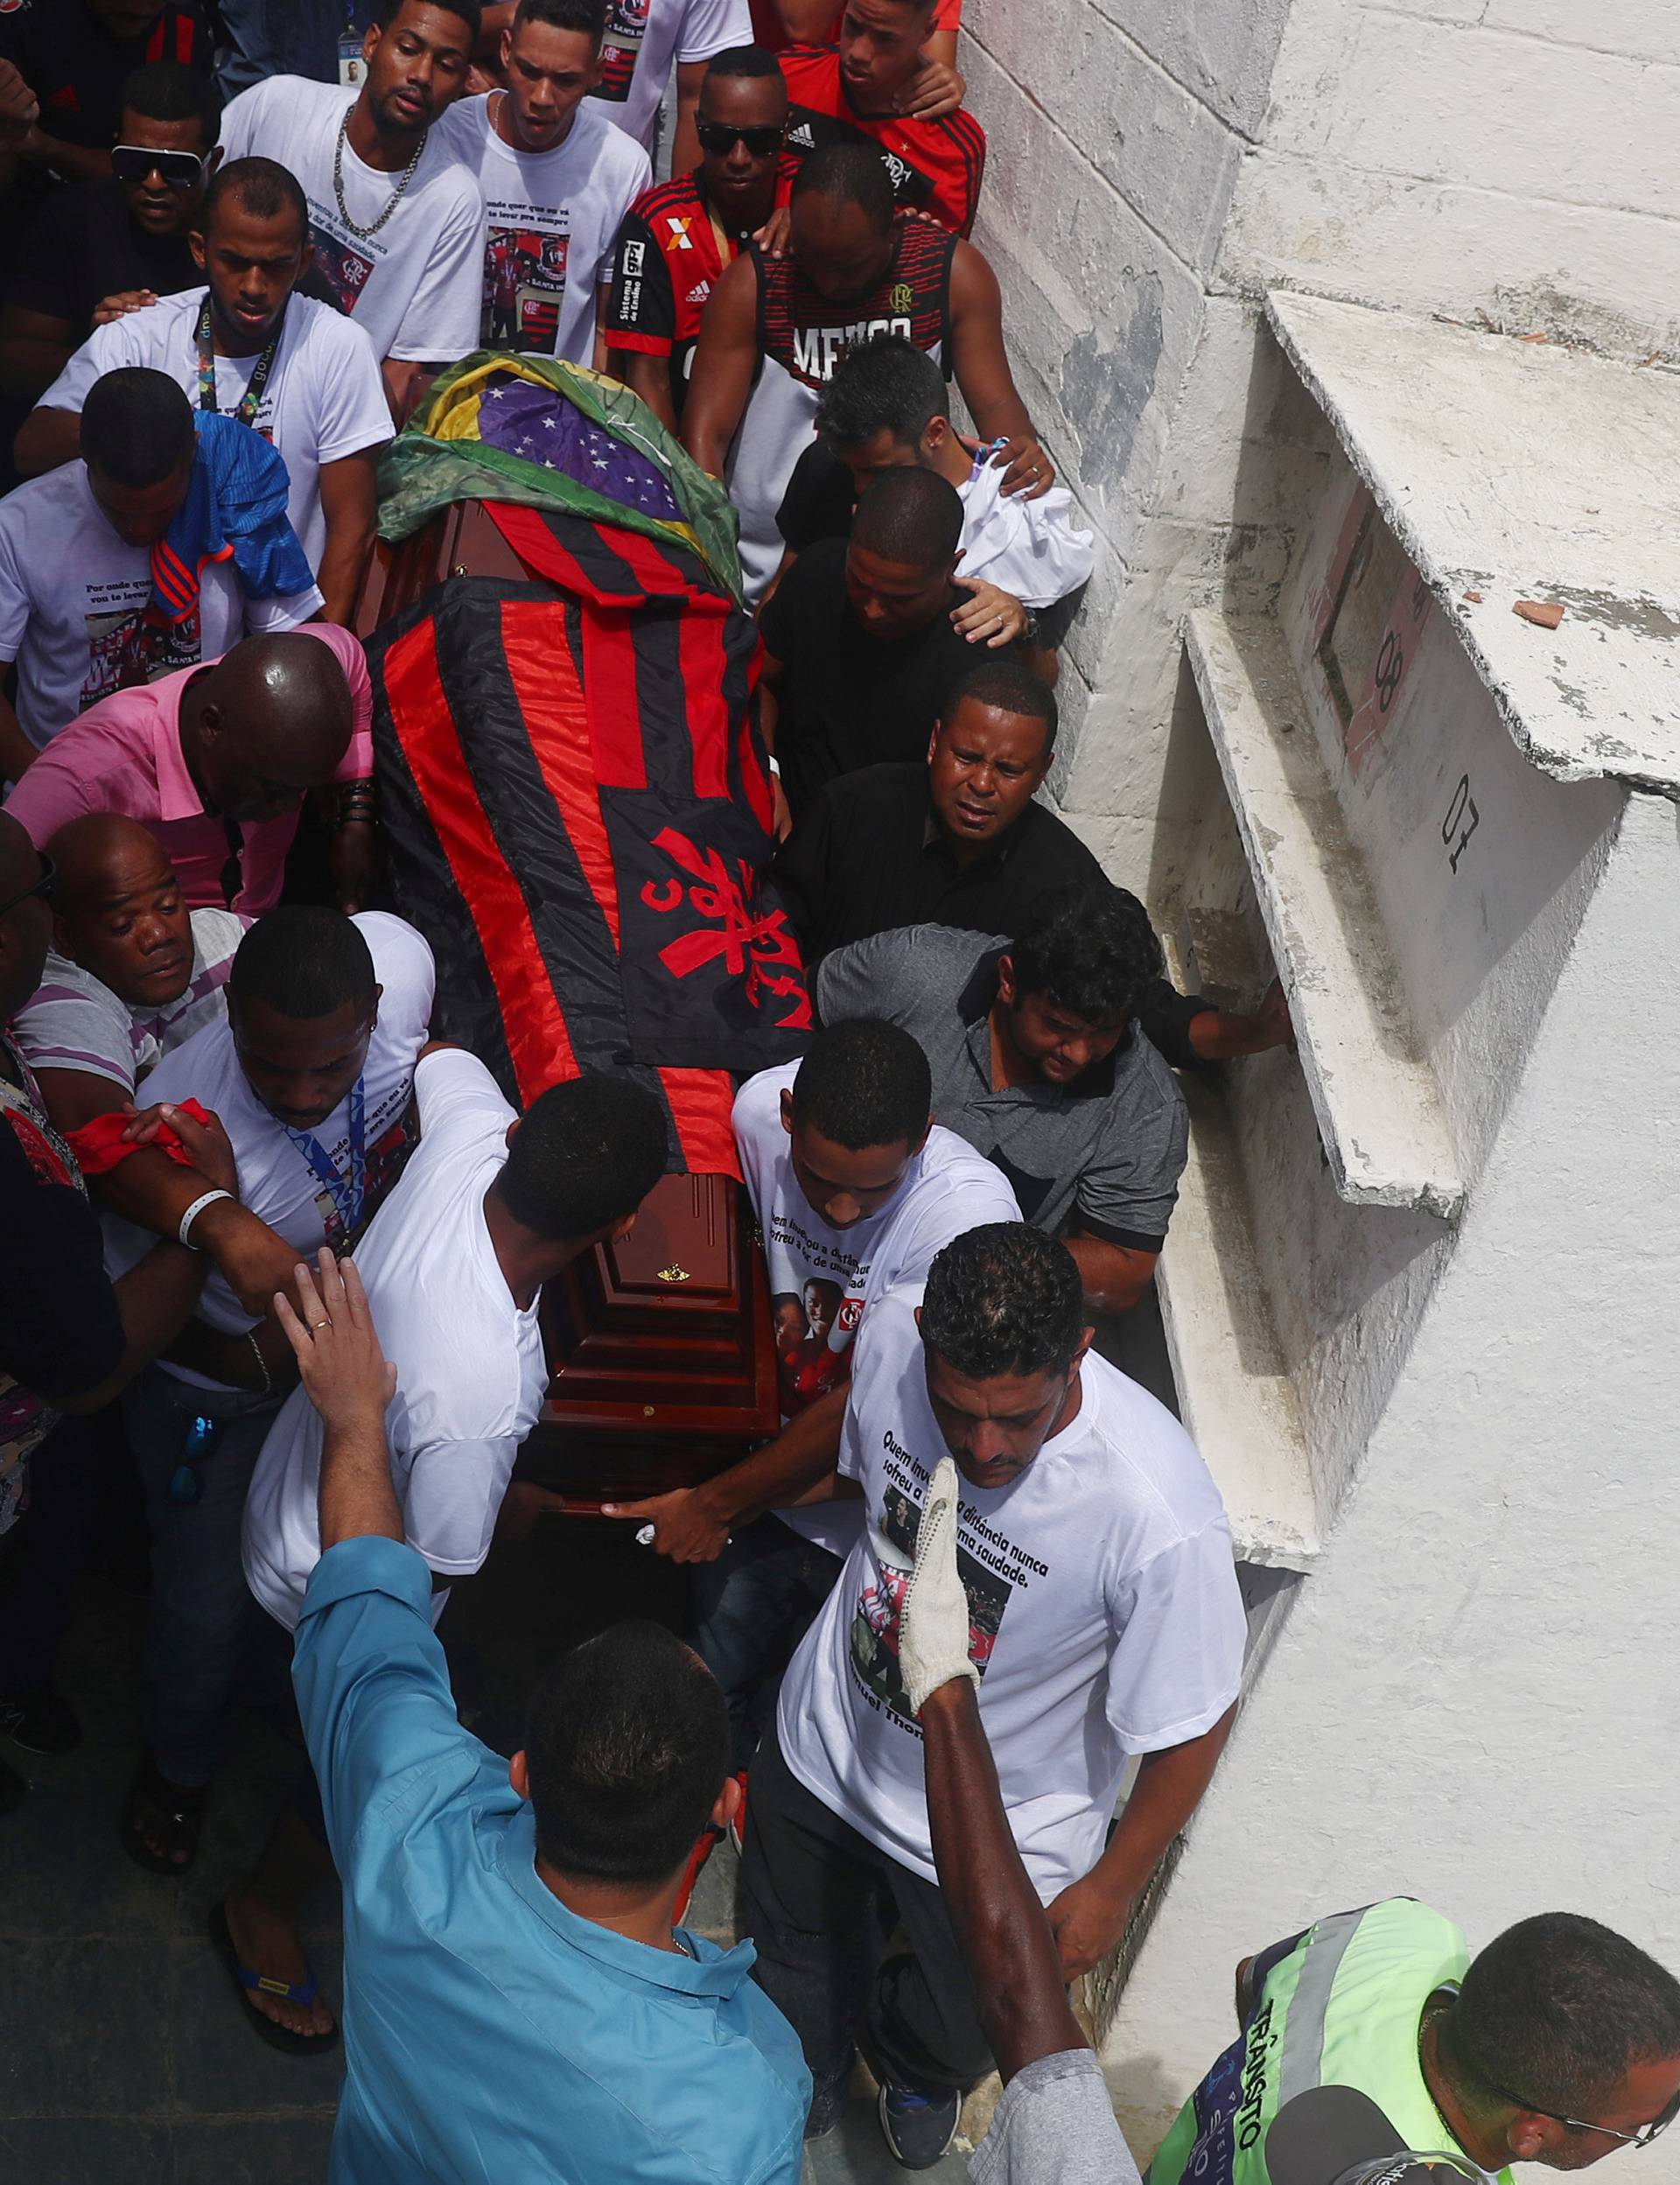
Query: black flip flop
(246, 1984)
(182, 1809)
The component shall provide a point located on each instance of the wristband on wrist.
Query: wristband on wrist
(205, 1199)
(774, 765)
(358, 801)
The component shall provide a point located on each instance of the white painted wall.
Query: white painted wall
(1471, 1700)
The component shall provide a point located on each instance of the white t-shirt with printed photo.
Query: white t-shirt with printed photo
(275, 1179)
(645, 38)
(73, 600)
(323, 398)
(822, 1280)
(74, 1021)
(1104, 1614)
(413, 286)
(551, 219)
(470, 1363)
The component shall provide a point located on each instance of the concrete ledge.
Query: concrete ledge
(1378, 1107)
(1521, 470)
(1237, 1402)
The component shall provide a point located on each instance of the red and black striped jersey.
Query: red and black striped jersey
(802, 334)
(936, 167)
(671, 253)
(807, 332)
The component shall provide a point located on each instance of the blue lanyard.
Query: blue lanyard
(346, 1197)
(984, 457)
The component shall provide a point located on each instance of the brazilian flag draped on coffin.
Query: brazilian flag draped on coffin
(577, 803)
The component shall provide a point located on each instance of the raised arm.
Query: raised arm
(724, 359)
(347, 1378)
(1001, 1925)
(981, 365)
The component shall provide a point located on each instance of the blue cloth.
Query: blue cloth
(491, 2034)
(235, 502)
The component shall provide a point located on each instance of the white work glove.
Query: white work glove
(933, 1627)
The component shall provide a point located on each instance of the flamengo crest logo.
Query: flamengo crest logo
(755, 946)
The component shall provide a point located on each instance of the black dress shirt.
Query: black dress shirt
(867, 857)
(849, 700)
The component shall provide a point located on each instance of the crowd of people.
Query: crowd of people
(980, 1579)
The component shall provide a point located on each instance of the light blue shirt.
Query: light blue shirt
(490, 2034)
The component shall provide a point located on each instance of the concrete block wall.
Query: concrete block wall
(1156, 164)
(1509, 162)
(1474, 1662)
(1116, 134)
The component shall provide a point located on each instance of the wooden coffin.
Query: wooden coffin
(462, 542)
(661, 1347)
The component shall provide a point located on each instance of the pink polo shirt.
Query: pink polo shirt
(124, 755)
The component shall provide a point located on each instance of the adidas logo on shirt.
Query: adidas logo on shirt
(803, 137)
(699, 294)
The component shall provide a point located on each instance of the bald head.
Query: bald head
(272, 720)
(118, 910)
(96, 852)
(27, 927)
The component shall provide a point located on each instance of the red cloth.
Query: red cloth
(99, 1145)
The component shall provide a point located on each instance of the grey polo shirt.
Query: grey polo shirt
(1107, 1149)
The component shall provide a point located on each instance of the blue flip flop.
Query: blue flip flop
(247, 1984)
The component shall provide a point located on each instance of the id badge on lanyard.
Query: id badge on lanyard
(353, 69)
(349, 1193)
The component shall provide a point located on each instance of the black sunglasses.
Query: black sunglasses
(1642, 2138)
(719, 136)
(134, 163)
(43, 883)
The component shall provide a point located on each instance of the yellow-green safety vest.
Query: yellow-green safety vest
(1342, 2009)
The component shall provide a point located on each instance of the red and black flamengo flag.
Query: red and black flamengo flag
(579, 817)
